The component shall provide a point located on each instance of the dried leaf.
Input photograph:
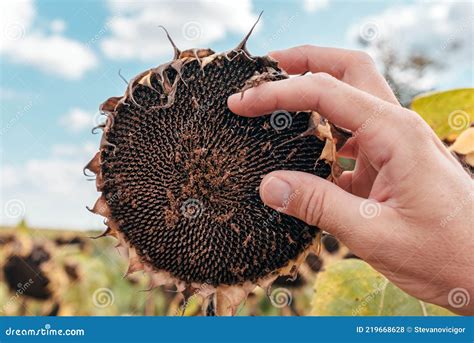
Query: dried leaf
(464, 144)
(448, 113)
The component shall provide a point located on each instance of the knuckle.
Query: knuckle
(323, 78)
(306, 47)
(311, 207)
(413, 117)
(361, 57)
(417, 127)
(416, 132)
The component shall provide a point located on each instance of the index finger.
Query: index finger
(340, 103)
(353, 67)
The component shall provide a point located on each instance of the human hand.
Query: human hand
(407, 207)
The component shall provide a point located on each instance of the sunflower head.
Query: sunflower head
(179, 175)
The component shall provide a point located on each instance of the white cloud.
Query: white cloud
(135, 32)
(58, 25)
(441, 31)
(315, 5)
(51, 191)
(78, 119)
(10, 177)
(22, 42)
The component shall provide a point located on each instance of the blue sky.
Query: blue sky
(60, 60)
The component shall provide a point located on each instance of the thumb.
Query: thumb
(317, 202)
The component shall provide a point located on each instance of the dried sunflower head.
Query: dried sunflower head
(31, 270)
(179, 175)
(27, 270)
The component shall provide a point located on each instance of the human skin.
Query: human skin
(417, 226)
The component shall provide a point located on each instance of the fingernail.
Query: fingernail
(275, 192)
(234, 97)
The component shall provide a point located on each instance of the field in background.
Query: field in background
(68, 273)
(65, 273)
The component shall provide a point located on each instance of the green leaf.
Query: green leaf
(448, 113)
(353, 288)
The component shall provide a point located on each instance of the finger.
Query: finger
(317, 202)
(353, 67)
(363, 178)
(345, 181)
(339, 102)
